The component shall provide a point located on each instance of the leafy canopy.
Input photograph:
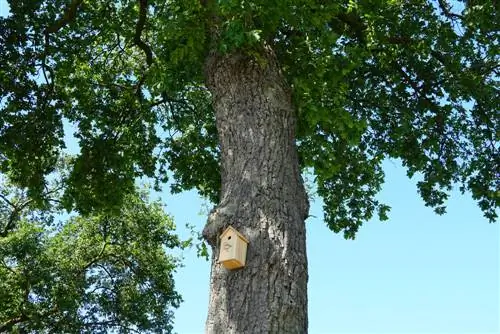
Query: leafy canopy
(413, 80)
(92, 274)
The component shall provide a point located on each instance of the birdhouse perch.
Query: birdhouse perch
(233, 249)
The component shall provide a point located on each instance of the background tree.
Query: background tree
(89, 274)
(236, 98)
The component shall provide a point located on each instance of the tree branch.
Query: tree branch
(7, 326)
(18, 207)
(13, 216)
(10, 223)
(413, 85)
(482, 68)
(143, 9)
(7, 201)
(68, 16)
(445, 8)
(355, 24)
(96, 259)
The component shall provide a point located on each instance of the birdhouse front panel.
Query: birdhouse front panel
(233, 249)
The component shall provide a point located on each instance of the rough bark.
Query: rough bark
(262, 196)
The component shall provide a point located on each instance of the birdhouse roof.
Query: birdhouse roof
(233, 230)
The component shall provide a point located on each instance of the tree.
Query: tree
(90, 274)
(236, 99)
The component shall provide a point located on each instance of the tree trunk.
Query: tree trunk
(262, 196)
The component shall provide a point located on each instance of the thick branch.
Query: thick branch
(68, 16)
(7, 326)
(14, 215)
(143, 9)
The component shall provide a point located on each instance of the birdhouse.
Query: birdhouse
(233, 249)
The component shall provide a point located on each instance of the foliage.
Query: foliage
(416, 81)
(89, 274)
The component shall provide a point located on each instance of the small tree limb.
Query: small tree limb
(445, 8)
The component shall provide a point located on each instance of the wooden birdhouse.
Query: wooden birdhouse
(233, 249)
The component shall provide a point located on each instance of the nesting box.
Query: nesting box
(233, 249)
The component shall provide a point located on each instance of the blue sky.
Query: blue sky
(416, 273)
